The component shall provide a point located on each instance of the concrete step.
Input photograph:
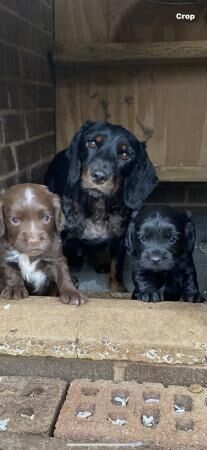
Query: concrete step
(124, 330)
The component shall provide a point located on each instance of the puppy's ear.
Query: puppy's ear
(190, 236)
(73, 154)
(58, 215)
(141, 181)
(130, 239)
(2, 221)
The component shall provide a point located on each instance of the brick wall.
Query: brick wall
(27, 139)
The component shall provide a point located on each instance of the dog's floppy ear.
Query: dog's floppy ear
(190, 236)
(58, 215)
(2, 222)
(130, 235)
(141, 181)
(73, 154)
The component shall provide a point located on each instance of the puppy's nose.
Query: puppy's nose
(98, 177)
(155, 259)
(33, 241)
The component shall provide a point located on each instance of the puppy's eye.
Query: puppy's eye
(172, 239)
(142, 238)
(15, 221)
(124, 156)
(92, 145)
(46, 219)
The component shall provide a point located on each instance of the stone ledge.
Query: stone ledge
(124, 330)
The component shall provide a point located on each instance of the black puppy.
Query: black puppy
(162, 241)
(101, 177)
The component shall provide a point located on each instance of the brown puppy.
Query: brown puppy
(31, 259)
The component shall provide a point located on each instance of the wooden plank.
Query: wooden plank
(158, 52)
(163, 105)
(80, 95)
(148, 21)
(80, 21)
(193, 174)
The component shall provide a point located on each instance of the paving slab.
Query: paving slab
(168, 332)
(13, 441)
(103, 411)
(30, 405)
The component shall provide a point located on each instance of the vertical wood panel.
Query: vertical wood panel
(80, 95)
(146, 21)
(163, 105)
(80, 21)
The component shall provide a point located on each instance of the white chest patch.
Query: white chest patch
(28, 269)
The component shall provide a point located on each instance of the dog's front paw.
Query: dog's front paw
(147, 296)
(73, 297)
(14, 292)
(192, 297)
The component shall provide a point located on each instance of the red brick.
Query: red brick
(29, 405)
(38, 173)
(48, 146)
(29, 9)
(28, 153)
(7, 161)
(47, 16)
(35, 68)
(39, 122)
(9, 61)
(168, 416)
(14, 127)
(3, 95)
(15, 30)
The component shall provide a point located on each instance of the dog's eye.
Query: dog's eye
(172, 239)
(92, 145)
(46, 219)
(124, 155)
(15, 220)
(142, 238)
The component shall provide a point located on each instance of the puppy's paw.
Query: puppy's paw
(73, 297)
(193, 297)
(147, 296)
(14, 292)
(75, 281)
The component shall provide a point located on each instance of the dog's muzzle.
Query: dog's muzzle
(98, 177)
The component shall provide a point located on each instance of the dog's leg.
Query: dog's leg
(68, 293)
(190, 285)
(101, 259)
(145, 287)
(14, 287)
(116, 267)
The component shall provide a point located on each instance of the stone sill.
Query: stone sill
(123, 330)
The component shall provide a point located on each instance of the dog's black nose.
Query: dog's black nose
(155, 259)
(98, 177)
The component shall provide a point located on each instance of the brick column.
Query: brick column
(27, 92)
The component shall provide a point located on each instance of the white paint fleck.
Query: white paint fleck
(179, 409)
(122, 401)
(152, 400)
(84, 414)
(117, 421)
(152, 353)
(148, 421)
(7, 306)
(27, 417)
(3, 424)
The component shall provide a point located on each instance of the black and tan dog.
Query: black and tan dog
(101, 177)
(162, 242)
